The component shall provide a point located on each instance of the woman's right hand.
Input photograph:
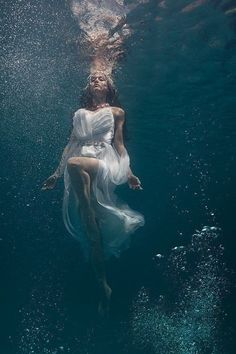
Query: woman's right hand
(50, 182)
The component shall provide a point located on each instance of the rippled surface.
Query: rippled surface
(177, 84)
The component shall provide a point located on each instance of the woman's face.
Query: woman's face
(98, 83)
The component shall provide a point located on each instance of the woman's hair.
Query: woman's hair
(86, 98)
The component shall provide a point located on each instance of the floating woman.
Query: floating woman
(94, 162)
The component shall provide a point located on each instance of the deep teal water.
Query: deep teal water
(177, 85)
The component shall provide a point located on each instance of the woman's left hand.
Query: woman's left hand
(134, 182)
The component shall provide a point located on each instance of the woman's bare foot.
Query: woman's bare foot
(105, 298)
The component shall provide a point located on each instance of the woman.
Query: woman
(94, 162)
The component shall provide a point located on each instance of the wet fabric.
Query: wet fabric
(92, 136)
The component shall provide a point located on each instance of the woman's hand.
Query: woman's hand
(134, 182)
(50, 182)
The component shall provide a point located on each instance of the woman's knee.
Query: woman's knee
(76, 167)
(83, 165)
(74, 163)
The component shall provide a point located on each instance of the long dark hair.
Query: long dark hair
(86, 99)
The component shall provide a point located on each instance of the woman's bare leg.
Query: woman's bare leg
(82, 170)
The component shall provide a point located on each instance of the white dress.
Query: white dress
(92, 137)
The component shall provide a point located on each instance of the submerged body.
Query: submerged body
(92, 136)
(94, 162)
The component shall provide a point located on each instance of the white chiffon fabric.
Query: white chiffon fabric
(93, 133)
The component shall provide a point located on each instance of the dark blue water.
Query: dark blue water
(173, 290)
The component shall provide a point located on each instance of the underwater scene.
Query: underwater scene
(173, 64)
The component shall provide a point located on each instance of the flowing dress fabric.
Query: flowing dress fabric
(93, 134)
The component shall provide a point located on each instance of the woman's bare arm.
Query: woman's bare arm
(119, 114)
(62, 165)
(51, 181)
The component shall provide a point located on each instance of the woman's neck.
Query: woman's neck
(99, 103)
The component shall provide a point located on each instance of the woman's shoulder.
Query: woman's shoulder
(78, 112)
(118, 113)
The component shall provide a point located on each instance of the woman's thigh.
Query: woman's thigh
(88, 164)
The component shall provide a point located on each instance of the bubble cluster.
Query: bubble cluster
(186, 321)
(42, 323)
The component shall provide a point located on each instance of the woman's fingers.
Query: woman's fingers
(136, 186)
(135, 183)
(45, 186)
(49, 184)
